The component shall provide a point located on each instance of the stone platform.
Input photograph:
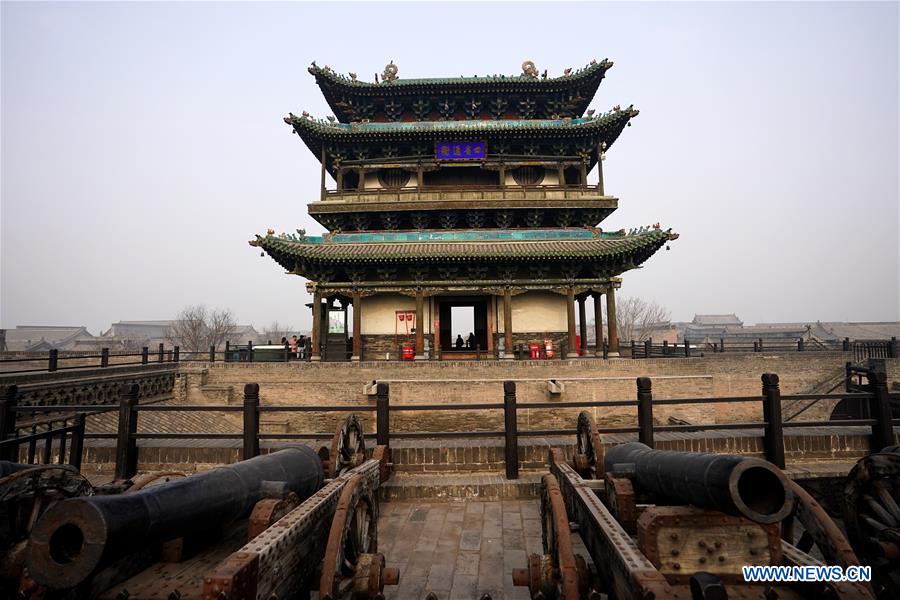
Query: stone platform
(458, 550)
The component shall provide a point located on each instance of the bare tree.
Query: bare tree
(196, 328)
(275, 331)
(636, 318)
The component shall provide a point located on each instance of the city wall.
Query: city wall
(455, 383)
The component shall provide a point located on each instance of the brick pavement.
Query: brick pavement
(458, 550)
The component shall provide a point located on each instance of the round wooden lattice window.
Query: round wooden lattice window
(528, 175)
(393, 179)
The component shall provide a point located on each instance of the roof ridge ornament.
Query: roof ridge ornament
(529, 69)
(390, 73)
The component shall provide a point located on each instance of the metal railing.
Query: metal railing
(874, 393)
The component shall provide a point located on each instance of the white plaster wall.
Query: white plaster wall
(370, 182)
(535, 311)
(551, 177)
(379, 313)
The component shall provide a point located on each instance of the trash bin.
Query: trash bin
(535, 350)
(548, 348)
(408, 352)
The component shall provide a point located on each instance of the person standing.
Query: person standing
(294, 347)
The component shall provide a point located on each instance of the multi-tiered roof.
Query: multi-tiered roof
(511, 205)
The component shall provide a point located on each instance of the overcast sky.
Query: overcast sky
(142, 146)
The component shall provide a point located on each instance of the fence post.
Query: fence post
(227, 347)
(605, 350)
(510, 430)
(760, 345)
(800, 345)
(755, 346)
(647, 348)
(212, 354)
(880, 410)
(645, 411)
(633, 348)
(249, 350)
(104, 357)
(75, 449)
(126, 444)
(8, 402)
(175, 356)
(53, 359)
(721, 344)
(382, 414)
(687, 348)
(251, 421)
(845, 345)
(160, 353)
(145, 355)
(773, 437)
(666, 347)
(892, 347)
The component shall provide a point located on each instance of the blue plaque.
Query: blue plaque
(460, 150)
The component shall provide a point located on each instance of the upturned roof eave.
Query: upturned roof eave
(315, 133)
(430, 251)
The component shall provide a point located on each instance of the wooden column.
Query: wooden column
(316, 326)
(612, 329)
(420, 325)
(582, 323)
(361, 184)
(570, 313)
(419, 178)
(322, 187)
(340, 179)
(502, 175)
(583, 173)
(598, 324)
(507, 324)
(357, 326)
(561, 174)
(600, 189)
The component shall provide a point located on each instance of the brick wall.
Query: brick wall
(454, 383)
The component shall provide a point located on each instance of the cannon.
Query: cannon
(663, 525)
(78, 536)
(735, 485)
(273, 524)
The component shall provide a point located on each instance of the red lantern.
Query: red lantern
(402, 316)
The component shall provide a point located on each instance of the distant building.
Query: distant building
(41, 338)
(712, 328)
(136, 334)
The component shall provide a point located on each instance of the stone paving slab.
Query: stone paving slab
(458, 550)
(455, 487)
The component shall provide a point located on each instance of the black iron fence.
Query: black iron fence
(873, 393)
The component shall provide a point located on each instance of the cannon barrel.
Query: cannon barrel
(78, 536)
(744, 486)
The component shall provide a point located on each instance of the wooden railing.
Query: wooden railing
(874, 392)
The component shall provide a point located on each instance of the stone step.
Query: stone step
(459, 487)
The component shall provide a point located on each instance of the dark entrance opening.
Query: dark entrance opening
(448, 330)
(334, 330)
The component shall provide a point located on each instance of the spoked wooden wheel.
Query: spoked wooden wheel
(351, 567)
(872, 517)
(348, 447)
(820, 530)
(588, 448)
(559, 572)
